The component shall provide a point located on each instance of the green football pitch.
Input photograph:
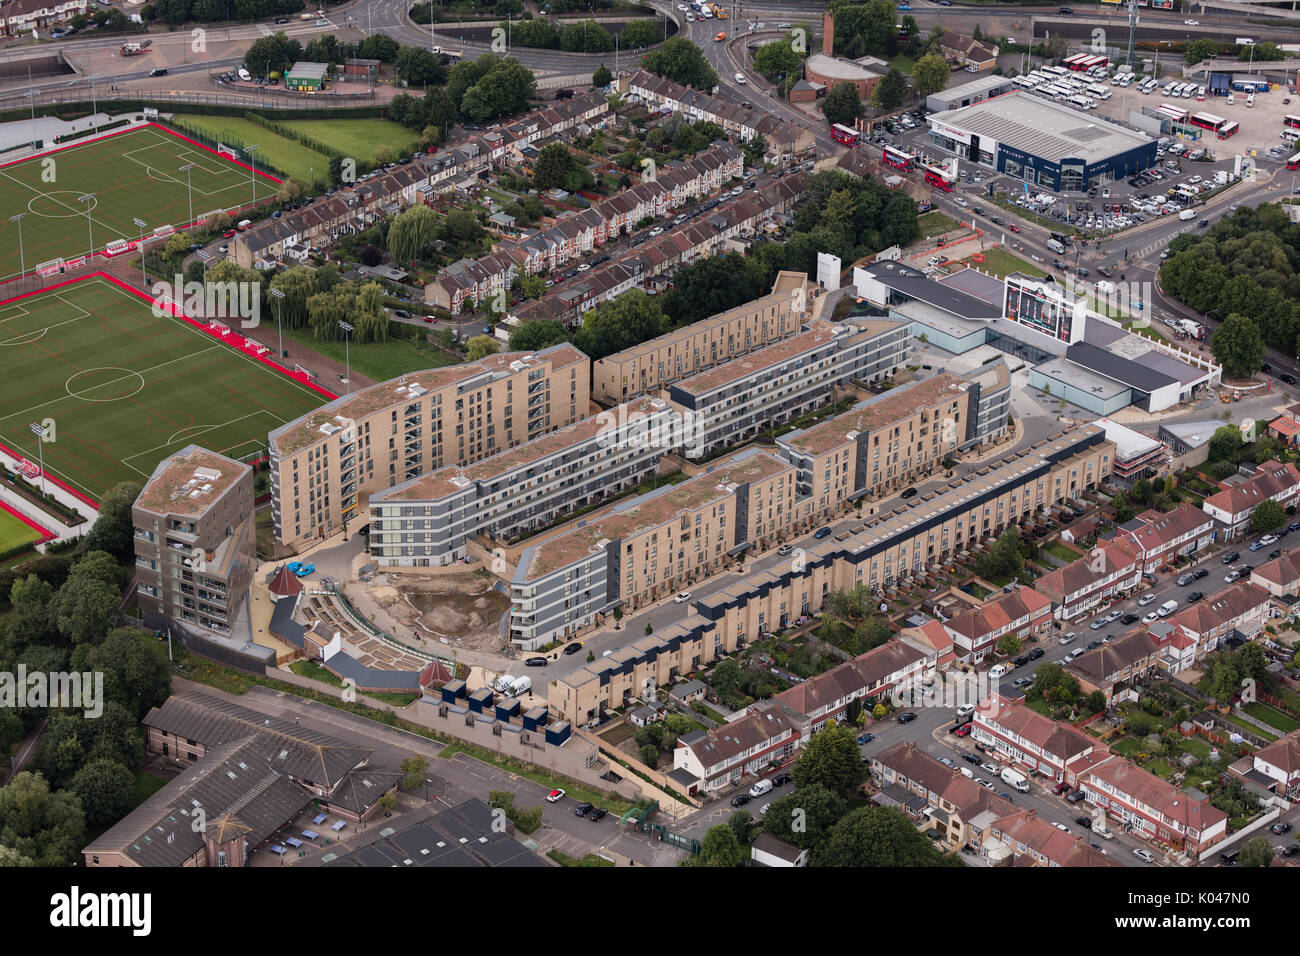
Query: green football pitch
(129, 176)
(122, 388)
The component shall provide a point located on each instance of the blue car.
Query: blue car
(905, 6)
(301, 569)
(866, 738)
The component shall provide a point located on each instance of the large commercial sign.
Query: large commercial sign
(956, 135)
(1042, 310)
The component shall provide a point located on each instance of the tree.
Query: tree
(875, 837)
(930, 75)
(554, 167)
(273, 54)
(88, 598)
(1199, 50)
(725, 678)
(1237, 345)
(419, 67)
(778, 59)
(47, 828)
(721, 848)
(1004, 559)
(1008, 644)
(743, 825)
(890, 90)
(412, 233)
(1256, 852)
(683, 62)
(106, 790)
(1225, 445)
(628, 319)
(136, 672)
(602, 77)
(832, 760)
(841, 105)
(413, 771)
(804, 818)
(1095, 702)
(1267, 516)
(480, 346)
(537, 334)
(31, 598)
(650, 755)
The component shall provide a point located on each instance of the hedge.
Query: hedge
(79, 108)
(93, 131)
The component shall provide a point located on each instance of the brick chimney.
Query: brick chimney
(828, 32)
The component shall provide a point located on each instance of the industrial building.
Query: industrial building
(968, 94)
(1042, 142)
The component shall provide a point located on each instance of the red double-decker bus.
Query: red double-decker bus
(897, 158)
(1228, 129)
(1293, 162)
(844, 134)
(938, 180)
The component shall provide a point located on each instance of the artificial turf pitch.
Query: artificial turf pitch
(123, 388)
(132, 175)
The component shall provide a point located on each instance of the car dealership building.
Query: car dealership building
(1042, 142)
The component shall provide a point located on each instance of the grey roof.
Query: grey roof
(306, 69)
(963, 91)
(914, 284)
(458, 836)
(302, 753)
(1043, 128)
(238, 790)
(1193, 434)
(981, 285)
(1117, 368)
(359, 789)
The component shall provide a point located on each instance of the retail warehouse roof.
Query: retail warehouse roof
(911, 282)
(1117, 368)
(1042, 128)
(981, 285)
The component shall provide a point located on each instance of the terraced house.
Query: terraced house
(1153, 808)
(1160, 538)
(737, 400)
(1028, 739)
(470, 280)
(1021, 613)
(1081, 585)
(704, 235)
(325, 464)
(428, 521)
(693, 348)
(1238, 496)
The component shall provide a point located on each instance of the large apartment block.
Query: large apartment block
(702, 345)
(931, 530)
(648, 547)
(427, 521)
(739, 399)
(326, 463)
(195, 546)
(888, 441)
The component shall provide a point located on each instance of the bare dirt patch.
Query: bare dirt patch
(461, 610)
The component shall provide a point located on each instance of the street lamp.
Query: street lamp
(252, 167)
(22, 265)
(278, 295)
(87, 198)
(144, 272)
(188, 189)
(347, 362)
(39, 431)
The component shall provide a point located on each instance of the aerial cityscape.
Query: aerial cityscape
(642, 433)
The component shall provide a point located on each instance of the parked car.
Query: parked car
(573, 648)
(1233, 556)
(1085, 822)
(962, 731)
(1075, 797)
(682, 597)
(822, 533)
(866, 738)
(555, 796)
(1143, 855)
(1060, 788)
(740, 799)
(596, 814)
(535, 662)
(906, 717)
(1281, 827)
(1146, 599)
(1067, 637)
(970, 758)
(1194, 597)
(582, 809)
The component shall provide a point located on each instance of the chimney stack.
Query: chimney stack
(828, 32)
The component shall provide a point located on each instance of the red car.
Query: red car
(229, 233)
(1061, 788)
(962, 731)
(1013, 227)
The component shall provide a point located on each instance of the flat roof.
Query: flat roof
(1116, 367)
(973, 88)
(978, 284)
(188, 482)
(940, 320)
(915, 284)
(306, 69)
(1067, 373)
(818, 334)
(1129, 444)
(632, 517)
(876, 412)
(1042, 128)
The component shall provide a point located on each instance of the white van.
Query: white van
(1016, 779)
(1291, 135)
(244, 74)
(1250, 100)
(1184, 215)
(1170, 606)
(760, 788)
(1055, 246)
(998, 671)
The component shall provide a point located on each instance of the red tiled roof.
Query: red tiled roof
(285, 583)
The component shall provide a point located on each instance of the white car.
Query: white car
(740, 78)
(555, 796)
(1231, 576)
(1151, 616)
(1077, 652)
(683, 597)
(1268, 539)
(681, 7)
(690, 18)
(1192, 23)
(1143, 855)
(1067, 638)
